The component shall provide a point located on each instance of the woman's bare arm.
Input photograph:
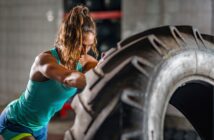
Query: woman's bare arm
(88, 62)
(47, 65)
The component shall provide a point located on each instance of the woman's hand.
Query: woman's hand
(88, 62)
(76, 79)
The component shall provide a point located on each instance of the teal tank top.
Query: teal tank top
(40, 101)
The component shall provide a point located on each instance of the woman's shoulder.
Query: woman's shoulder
(44, 56)
(41, 60)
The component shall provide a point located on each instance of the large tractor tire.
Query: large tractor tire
(127, 95)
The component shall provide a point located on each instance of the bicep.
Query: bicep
(54, 71)
(49, 68)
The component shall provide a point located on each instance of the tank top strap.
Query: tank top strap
(55, 54)
(79, 67)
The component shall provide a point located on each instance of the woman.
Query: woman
(55, 76)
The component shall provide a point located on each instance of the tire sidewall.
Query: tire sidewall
(178, 68)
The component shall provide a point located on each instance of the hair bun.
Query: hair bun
(80, 10)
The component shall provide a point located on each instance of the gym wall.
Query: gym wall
(27, 27)
(144, 14)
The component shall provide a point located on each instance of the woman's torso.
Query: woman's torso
(40, 101)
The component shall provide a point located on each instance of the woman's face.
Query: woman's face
(87, 42)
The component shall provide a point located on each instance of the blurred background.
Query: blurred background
(28, 27)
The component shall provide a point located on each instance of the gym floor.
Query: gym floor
(59, 125)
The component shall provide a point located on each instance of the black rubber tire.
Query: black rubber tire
(127, 95)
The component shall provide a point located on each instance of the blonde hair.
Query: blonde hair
(77, 22)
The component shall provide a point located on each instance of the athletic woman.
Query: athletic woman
(55, 76)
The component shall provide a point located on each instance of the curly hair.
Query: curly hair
(77, 22)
